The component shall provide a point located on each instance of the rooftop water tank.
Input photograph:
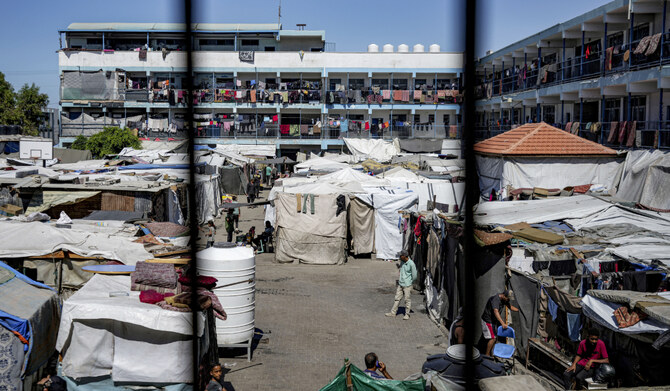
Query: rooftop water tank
(402, 48)
(418, 48)
(373, 48)
(434, 48)
(388, 48)
(234, 267)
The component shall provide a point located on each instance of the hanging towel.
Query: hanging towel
(311, 204)
(553, 308)
(588, 127)
(568, 127)
(643, 45)
(386, 94)
(630, 140)
(316, 129)
(575, 128)
(294, 130)
(304, 202)
(367, 125)
(622, 131)
(417, 94)
(298, 199)
(397, 95)
(653, 44)
(405, 96)
(574, 325)
(375, 90)
(614, 127)
(304, 129)
(608, 58)
(253, 96)
(344, 126)
(284, 129)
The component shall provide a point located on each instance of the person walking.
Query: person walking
(251, 191)
(230, 226)
(404, 285)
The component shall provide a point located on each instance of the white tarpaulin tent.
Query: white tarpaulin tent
(645, 179)
(319, 164)
(547, 172)
(269, 150)
(133, 341)
(387, 203)
(350, 175)
(20, 241)
(311, 228)
(537, 211)
(540, 155)
(376, 149)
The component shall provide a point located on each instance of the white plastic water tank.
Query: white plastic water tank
(233, 267)
(373, 48)
(418, 48)
(434, 48)
(388, 48)
(402, 48)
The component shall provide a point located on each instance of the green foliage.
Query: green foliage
(31, 103)
(110, 141)
(23, 107)
(79, 142)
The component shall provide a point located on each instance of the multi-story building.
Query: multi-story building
(254, 83)
(600, 69)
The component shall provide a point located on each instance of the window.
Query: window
(549, 114)
(417, 118)
(381, 83)
(316, 50)
(269, 48)
(356, 117)
(612, 109)
(399, 84)
(431, 118)
(94, 41)
(640, 31)
(216, 42)
(446, 119)
(356, 84)
(615, 39)
(334, 83)
(638, 105)
(249, 42)
(418, 83)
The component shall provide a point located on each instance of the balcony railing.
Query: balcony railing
(575, 69)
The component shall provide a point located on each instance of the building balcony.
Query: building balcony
(595, 65)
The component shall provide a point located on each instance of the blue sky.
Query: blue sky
(30, 39)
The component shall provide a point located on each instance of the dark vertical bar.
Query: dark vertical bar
(581, 112)
(660, 109)
(471, 188)
(604, 47)
(581, 60)
(563, 62)
(630, 38)
(562, 112)
(665, 9)
(192, 218)
(513, 69)
(602, 118)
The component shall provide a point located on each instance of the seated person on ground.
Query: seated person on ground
(372, 363)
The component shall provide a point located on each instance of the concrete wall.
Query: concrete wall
(448, 62)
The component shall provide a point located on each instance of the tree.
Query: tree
(110, 141)
(8, 112)
(31, 104)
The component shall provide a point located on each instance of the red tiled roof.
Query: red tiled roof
(540, 139)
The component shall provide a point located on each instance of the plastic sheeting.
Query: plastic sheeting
(537, 211)
(269, 150)
(208, 197)
(350, 175)
(362, 227)
(97, 85)
(602, 311)
(546, 172)
(19, 242)
(618, 215)
(645, 179)
(134, 341)
(527, 295)
(46, 199)
(361, 381)
(387, 203)
(320, 164)
(379, 150)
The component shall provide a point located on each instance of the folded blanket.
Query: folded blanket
(157, 274)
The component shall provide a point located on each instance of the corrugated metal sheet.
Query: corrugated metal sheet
(143, 202)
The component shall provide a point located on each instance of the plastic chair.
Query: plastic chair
(503, 350)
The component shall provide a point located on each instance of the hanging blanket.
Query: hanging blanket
(630, 140)
(643, 45)
(575, 128)
(622, 131)
(653, 44)
(614, 127)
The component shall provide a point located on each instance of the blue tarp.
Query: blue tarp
(553, 226)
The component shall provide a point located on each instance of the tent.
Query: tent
(380, 150)
(102, 334)
(319, 164)
(387, 203)
(29, 317)
(311, 228)
(645, 179)
(360, 381)
(540, 155)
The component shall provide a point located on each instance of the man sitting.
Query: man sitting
(372, 363)
(590, 353)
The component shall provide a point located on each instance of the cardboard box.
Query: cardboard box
(11, 210)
